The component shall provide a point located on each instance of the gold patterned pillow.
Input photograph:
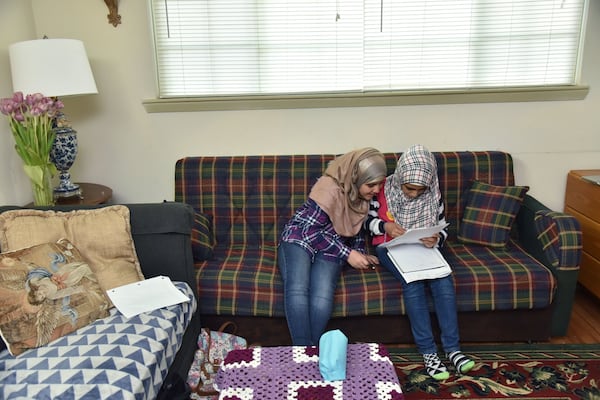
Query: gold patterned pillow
(46, 291)
(102, 235)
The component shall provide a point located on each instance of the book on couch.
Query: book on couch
(415, 261)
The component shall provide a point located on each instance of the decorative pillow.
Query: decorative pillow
(46, 291)
(203, 239)
(102, 235)
(489, 213)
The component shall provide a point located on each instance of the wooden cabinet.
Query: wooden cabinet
(582, 200)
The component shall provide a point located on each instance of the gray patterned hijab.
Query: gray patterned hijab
(416, 166)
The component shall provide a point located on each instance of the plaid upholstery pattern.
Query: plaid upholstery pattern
(250, 198)
(489, 213)
(560, 236)
(507, 278)
(203, 240)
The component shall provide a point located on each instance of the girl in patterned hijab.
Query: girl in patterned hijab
(411, 198)
(416, 168)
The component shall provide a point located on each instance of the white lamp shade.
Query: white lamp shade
(52, 67)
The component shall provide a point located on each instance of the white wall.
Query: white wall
(14, 184)
(134, 152)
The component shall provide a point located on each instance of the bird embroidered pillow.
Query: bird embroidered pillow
(46, 291)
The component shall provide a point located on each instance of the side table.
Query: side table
(582, 200)
(91, 193)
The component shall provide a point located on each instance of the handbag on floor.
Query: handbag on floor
(213, 347)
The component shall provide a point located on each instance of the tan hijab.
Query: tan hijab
(337, 191)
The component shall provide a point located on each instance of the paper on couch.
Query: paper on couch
(147, 295)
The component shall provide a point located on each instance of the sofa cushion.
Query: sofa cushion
(498, 278)
(489, 213)
(250, 198)
(102, 235)
(46, 291)
(203, 238)
(245, 281)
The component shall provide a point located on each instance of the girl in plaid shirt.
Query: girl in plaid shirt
(411, 198)
(324, 234)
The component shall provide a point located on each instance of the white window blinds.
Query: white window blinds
(245, 47)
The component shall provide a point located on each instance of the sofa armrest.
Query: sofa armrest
(554, 238)
(162, 236)
(203, 237)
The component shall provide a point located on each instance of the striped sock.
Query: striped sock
(462, 363)
(435, 367)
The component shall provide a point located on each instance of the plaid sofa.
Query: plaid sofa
(523, 291)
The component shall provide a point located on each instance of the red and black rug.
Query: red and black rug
(536, 371)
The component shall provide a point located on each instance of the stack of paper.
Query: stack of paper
(416, 262)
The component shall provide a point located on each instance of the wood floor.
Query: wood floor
(585, 320)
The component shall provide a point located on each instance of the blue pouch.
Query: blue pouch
(333, 346)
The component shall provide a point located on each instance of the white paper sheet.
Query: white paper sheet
(427, 274)
(147, 295)
(415, 235)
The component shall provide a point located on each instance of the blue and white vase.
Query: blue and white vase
(63, 154)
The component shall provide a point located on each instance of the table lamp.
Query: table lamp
(55, 68)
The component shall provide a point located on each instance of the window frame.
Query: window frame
(578, 91)
(225, 103)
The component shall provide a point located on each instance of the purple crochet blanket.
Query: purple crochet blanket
(292, 372)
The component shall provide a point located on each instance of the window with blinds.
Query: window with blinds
(278, 47)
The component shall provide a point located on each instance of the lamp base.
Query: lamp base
(62, 154)
(66, 188)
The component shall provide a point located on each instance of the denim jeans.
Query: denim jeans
(415, 301)
(309, 287)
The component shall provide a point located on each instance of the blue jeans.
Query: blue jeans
(309, 287)
(415, 301)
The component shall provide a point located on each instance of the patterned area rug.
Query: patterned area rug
(536, 371)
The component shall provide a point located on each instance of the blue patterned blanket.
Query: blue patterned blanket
(113, 358)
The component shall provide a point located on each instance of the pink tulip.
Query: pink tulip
(5, 106)
(18, 97)
(18, 116)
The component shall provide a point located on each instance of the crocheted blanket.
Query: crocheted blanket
(292, 372)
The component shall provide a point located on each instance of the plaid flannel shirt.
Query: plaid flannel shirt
(311, 228)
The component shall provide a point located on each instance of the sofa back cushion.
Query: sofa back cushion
(250, 198)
